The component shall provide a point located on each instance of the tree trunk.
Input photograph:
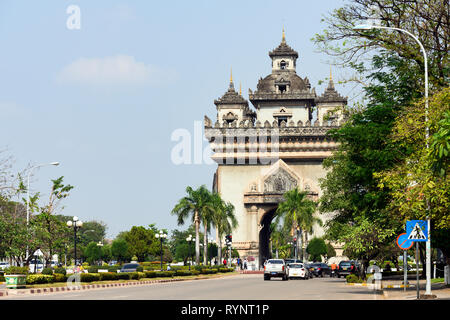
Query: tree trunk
(197, 240)
(219, 250)
(205, 245)
(304, 248)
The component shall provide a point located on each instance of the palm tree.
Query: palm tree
(198, 204)
(223, 219)
(297, 211)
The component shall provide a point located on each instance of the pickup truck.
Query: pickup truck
(275, 268)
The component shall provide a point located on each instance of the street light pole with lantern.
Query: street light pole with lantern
(161, 235)
(189, 241)
(76, 224)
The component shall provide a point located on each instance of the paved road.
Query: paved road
(239, 287)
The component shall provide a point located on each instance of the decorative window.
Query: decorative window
(283, 65)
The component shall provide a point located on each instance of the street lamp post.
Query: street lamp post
(161, 235)
(76, 224)
(28, 191)
(189, 240)
(427, 133)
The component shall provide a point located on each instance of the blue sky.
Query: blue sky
(103, 100)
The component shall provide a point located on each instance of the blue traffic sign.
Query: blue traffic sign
(403, 242)
(417, 230)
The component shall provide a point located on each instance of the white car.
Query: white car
(297, 270)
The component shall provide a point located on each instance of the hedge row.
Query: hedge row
(111, 276)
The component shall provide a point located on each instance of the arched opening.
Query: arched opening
(264, 237)
(282, 65)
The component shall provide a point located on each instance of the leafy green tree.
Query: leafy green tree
(418, 179)
(330, 251)
(316, 249)
(93, 253)
(119, 250)
(92, 231)
(180, 248)
(50, 231)
(352, 188)
(106, 252)
(297, 211)
(141, 242)
(279, 235)
(223, 219)
(197, 204)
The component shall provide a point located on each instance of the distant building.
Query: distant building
(271, 148)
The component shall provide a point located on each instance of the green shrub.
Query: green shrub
(164, 274)
(16, 270)
(39, 278)
(89, 277)
(208, 271)
(105, 276)
(183, 273)
(150, 274)
(133, 275)
(93, 269)
(59, 277)
(113, 268)
(225, 269)
(2, 279)
(85, 264)
(124, 276)
(60, 270)
(140, 269)
(47, 271)
(353, 278)
(195, 272)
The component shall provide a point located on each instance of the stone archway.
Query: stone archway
(264, 236)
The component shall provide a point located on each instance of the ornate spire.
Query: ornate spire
(283, 37)
(231, 79)
(331, 83)
(240, 88)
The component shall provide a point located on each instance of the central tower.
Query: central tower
(280, 145)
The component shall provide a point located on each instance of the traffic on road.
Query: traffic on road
(288, 269)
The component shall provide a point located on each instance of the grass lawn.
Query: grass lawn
(437, 280)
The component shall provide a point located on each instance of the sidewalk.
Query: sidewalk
(393, 290)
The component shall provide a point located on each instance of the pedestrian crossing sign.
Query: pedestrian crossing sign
(417, 230)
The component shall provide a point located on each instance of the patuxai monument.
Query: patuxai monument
(273, 146)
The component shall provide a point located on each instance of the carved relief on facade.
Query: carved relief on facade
(279, 182)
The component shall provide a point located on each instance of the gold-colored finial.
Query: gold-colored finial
(231, 74)
(331, 76)
(240, 89)
(283, 39)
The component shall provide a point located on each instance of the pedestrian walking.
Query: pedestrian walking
(224, 262)
(245, 264)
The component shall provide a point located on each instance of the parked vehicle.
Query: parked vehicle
(345, 268)
(275, 268)
(4, 265)
(297, 270)
(129, 267)
(320, 269)
(288, 261)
